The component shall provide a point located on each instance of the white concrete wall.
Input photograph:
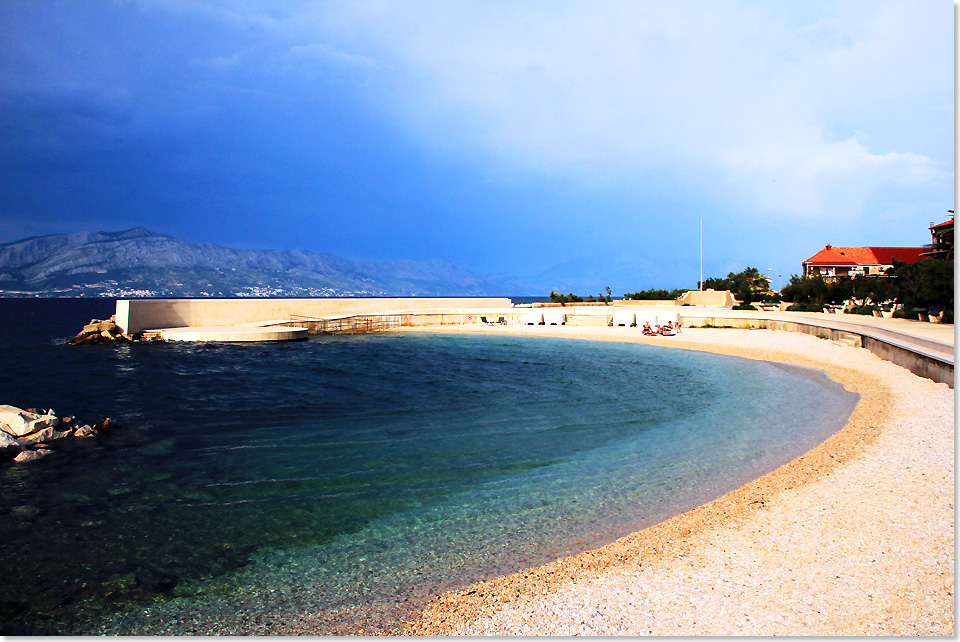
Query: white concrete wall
(137, 315)
(708, 299)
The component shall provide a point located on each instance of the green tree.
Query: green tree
(564, 299)
(840, 290)
(873, 289)
(748, 286)
(928, 282)
(806, 289)
(655, 295)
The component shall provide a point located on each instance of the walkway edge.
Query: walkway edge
(923, 357)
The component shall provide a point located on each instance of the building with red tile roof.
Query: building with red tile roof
(833, 262)
(941, 246)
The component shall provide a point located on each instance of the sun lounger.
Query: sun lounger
(533, 318)
(624, 318)
(502, 321)
(554, 317)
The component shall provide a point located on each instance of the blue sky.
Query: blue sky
(506, 136)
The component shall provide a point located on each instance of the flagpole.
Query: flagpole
(701, 252)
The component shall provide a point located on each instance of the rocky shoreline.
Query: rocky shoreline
(26, 435)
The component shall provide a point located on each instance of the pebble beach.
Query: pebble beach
(853, 538)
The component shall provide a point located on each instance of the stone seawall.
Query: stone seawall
(136, 315)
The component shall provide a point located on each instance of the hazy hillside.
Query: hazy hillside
(139, 262)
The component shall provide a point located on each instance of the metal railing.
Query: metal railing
(346, 325)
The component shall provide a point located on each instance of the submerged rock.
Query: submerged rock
(30, 455)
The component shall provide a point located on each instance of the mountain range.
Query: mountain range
(141, 263)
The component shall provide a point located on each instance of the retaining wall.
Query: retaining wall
(920, 358)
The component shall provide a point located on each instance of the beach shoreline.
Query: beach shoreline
(625, 588)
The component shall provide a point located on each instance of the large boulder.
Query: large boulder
(98, 331)
(20, 423)
(45, 436)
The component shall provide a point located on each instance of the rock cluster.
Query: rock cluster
(98, 331)
(26, 435)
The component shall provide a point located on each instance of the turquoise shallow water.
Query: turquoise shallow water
(250, 488)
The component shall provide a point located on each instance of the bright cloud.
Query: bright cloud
(809, 108)
(743, 94)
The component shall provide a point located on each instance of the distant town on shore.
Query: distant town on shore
(892, 281)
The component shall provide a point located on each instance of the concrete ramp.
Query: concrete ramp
(234, 333)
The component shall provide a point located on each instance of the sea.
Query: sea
(336, 484)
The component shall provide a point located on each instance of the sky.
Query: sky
(506, 136)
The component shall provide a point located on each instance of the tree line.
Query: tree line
(928, 283)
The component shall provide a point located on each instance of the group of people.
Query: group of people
(667, 330)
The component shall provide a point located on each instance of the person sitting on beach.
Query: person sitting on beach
(647, 330)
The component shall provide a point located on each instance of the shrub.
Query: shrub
(906, 314)
(744, 306)
(866, 310)
(805, 307)
(947, 318)
(655, 294)
(564, 299)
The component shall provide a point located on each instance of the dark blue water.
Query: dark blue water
(346, 479)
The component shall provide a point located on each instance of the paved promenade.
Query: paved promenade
(928, 337)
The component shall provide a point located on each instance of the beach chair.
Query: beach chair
(533, 318)
(502, 321)
(624, 317)
(554, 317)
(485, 322)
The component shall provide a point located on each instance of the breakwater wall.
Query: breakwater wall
(136, 315)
